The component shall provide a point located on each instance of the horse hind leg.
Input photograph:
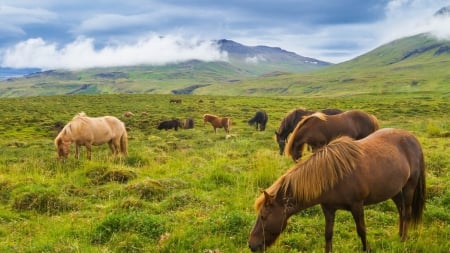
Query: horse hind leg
(114, 146)
(88, 150)
(400, 204)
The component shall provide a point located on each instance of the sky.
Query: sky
(76, 34)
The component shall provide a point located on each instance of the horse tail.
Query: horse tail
(418, 204)
(228, 125)
(124, 142)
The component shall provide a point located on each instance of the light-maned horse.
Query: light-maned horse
(318, 129)
(291, 119)
(88, 131)
(217, 122)
(347, 174)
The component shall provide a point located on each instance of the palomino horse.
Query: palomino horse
(289, 122)
(217, 122)
(259, 120)
(86, 131)
(318, 129)
(347, 174)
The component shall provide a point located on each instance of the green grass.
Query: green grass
(192, 190)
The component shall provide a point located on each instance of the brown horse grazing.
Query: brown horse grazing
(86, 131)
(347, 174)
(318, 129)
(217, 122)
(289, 122)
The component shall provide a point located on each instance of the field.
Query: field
(192, 190)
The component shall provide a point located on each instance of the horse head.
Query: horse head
(271, 221)
(63, 148)
(281, 142)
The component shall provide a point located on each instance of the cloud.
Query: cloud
(411, 17)
(81, 53)
(20, 16)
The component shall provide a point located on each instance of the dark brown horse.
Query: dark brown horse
(347, 174)
(259, 120)
(318, 129)
(289, 122)
(169, 124)
(217, 122)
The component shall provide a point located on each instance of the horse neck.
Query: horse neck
(65, 133)
(293, 206)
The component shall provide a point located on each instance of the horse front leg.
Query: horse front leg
(357, 211)
(330, 214)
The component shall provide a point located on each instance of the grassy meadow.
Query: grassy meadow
(192, 190)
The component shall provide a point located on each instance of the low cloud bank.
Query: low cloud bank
(81, 54)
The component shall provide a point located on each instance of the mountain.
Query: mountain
(182, 78)
(444, 11)
(6, 73)
(413, 64)
(264, 59)
(418, 63)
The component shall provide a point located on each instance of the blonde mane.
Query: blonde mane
(294, 133)
(318, 173)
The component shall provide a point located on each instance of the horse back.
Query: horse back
(100, 130)
(392, 158)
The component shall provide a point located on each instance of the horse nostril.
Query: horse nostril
(254, 248)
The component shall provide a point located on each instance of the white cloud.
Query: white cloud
(411, 17)
(106, 22)
(152, 50)
(20, 16)
(255, 59)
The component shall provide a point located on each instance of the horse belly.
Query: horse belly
(385, 182)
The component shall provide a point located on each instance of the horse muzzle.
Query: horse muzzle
(256, 247)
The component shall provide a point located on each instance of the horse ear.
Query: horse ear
(267, 198)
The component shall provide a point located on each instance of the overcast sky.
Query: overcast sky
(78, 33)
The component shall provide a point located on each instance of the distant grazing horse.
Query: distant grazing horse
(187, 123)
(175, 100)
(217, 122)
(289, 122)
(259, 120)
(318, 129)
(169, 124)
(128, 114)
(347, 174)
(86, 131)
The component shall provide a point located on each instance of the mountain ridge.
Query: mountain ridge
(411, 64)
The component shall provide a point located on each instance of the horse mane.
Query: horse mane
(318, 173)
(74, 125)
(300, 124)
(375, 121)
(289, 119)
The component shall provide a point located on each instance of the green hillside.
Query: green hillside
(414, 64)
